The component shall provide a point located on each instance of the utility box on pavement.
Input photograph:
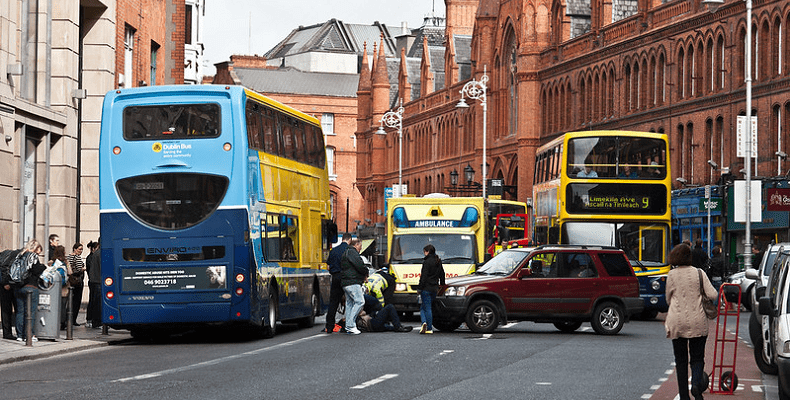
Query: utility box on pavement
(47, 324)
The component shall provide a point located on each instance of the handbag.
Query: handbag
(711, 311)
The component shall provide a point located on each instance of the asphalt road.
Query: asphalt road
(524, 360)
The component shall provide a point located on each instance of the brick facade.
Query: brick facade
(666, 67)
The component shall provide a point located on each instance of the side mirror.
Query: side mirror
(753, 274)
(765, 307)
(759, 292)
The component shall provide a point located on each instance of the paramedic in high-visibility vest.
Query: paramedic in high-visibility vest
(381, 285)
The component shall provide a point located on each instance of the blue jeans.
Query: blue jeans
(426, 308)
(21, 298)
(355, 299)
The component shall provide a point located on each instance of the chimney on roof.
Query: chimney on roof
(405, 39)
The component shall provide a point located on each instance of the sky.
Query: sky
(226, 29)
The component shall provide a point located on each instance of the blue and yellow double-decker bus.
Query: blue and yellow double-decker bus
(214, 208)
(609, 188)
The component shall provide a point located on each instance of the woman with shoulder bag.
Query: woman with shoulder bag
(76, 279)
(686, 322)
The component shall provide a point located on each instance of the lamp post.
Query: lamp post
(713, 5)
(476, 90)
(394, 119)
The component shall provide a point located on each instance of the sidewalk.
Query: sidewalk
(82, 338)
(750, 379)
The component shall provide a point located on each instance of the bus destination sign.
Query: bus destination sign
(613, 198)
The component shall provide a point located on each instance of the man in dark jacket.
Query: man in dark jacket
(699, 258)
(336, 289)
(93, 266)
(30, 257)
(717, 271)
(431, 276)
(7, 301)
(354, 273)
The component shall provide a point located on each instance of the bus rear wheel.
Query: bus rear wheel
(270, 328)
(308, 322)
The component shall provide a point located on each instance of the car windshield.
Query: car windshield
(504, 263)
(451, 248)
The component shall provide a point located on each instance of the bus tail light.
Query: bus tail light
(226, 146)
(239, 291)
(108, 281)
(116, 150)
(239, 278)
(110, 295)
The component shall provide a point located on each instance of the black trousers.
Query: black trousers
(76, 301)
(335, 294)
(7, 306)
(94, 304)
(682, 348)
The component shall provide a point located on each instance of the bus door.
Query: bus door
(652, 242)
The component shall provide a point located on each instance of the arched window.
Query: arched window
(512, 81)
(680, 81)
(628, 86)
(718, 67)
(710, 77)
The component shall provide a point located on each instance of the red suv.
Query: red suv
(563, 285)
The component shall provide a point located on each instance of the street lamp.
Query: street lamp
(714, 5)
(394, 119)
(476, 90)
(469, 173)
(454, 177)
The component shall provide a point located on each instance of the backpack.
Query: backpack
(7, 258)
(20, 270)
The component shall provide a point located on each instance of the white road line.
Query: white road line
(446, 352)
(543, 383)
(647, 396)
(374, 381)
(757, 388)
(216, 361)
(510, 325)
(486, 336)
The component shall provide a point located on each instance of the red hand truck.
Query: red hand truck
(723, 378)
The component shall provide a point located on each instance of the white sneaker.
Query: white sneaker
(353, 331)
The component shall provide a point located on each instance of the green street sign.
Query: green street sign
(714, 204)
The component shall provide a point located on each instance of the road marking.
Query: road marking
(655, 387)
(374, 381)
(486, 336)
(446, 352)
(757, 388)
(543, 383)
(216, 361)
(510, 325)
(647, 396)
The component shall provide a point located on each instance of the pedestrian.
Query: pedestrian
(61, 263)
(375, 318)
(54, 241)
(686, 323)
(699, 258)
(717, 271)
(381, 285)
(76, 280)
(336, 287)
(7, 298)
(354, 274)
(431, 276)
(93, 267)
(29, 284)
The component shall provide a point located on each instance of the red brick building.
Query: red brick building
(149, 42)
(558, 66)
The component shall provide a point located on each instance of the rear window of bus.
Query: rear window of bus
(171, 122)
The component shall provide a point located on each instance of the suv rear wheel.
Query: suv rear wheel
(482, 316)
(608, 319)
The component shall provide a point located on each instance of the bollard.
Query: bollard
(28, 319)
(69, 327)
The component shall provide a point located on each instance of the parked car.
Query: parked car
(776, 332)
(760, 276)
(563, 285)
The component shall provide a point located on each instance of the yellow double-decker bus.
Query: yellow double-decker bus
(608, 188)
